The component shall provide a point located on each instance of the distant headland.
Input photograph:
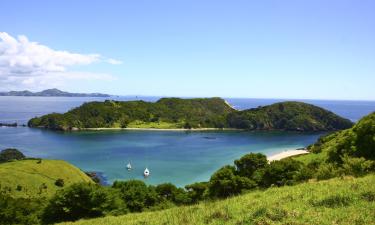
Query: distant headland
(52, 93)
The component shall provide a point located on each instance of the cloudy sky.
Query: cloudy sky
(265, 49)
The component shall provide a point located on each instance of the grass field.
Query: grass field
(28, 178)
(338, 201)
(157, 125)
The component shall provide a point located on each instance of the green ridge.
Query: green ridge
(33, 178)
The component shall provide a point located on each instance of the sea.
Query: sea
(178, 157)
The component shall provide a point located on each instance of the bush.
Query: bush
(59, 182)
(20, 210)
(81, 200)
(197, 191)
(225, 183)
(282, 172)
(333, 201)
(249, 163)
(10, 154)
(327, 171)
(136, 194)
(356, 166)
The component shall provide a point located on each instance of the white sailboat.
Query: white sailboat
(146, 173)
(129, 166)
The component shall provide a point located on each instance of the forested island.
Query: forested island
(52, 93)
(198, 113)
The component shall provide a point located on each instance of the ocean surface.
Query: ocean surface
(171, 156)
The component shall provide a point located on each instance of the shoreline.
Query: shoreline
(156, 129)
(287, 153)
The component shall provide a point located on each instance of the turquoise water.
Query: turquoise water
(178, 157)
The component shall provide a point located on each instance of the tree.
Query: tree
(10, 154)
(281, 172)
(248, 164)
(136, 195)
(197, 191)
(167, 191)
(225, 183)
(81, 200)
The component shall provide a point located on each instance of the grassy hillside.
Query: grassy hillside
(170, 113)
(336, 201)
(34, 178)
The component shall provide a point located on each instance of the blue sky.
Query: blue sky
(260, 49)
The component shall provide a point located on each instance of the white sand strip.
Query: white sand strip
(286, 154)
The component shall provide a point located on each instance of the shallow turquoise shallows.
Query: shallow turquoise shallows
(178, 157)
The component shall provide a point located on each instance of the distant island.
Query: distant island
(52, 93)
(190, 114)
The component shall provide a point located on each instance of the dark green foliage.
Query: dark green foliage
(357, 166)
(295, 116)
(368, 196)
(59, 182)
(197, 191)
(80, 200)
(358, 141)
(333, 201)
(10, 154)
(225, 183)
(249, 163)
(20, 210)
(136, 194)
(194, 113)
(272, 213)
(171, 193)
(282, 172)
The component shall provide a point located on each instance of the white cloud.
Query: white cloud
(26, 64)
(114, 61)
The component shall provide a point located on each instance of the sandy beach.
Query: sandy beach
(286, 154)
(159, 129)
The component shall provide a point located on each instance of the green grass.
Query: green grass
(156, 125)
(29, 176)
(337, 201)
(306, 158)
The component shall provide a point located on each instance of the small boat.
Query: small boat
(146, 173)
(129, 166)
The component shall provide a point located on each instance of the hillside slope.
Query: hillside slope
(358, 141)
(170, 113)
(336, 201)
(29, 178)
(294, 116)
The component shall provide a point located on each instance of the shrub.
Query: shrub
(136, 195)
(225, 182)
(356, 166)
(282, 172)
(327, 171)
(197, 191)
(9, 154)
(333, 201)
(59, 182)
(20, 210)
(80, 200)
(249, 163)
(368, 196)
